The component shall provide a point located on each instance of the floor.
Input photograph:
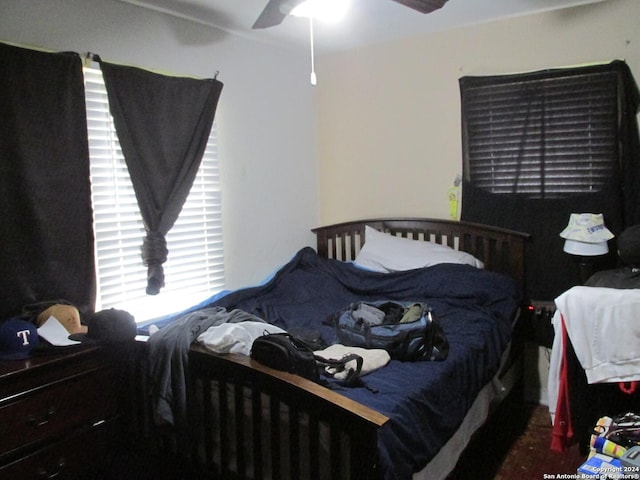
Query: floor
(515, 446)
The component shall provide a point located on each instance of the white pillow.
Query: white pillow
(387, 253)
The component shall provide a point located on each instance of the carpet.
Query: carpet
(514, 445)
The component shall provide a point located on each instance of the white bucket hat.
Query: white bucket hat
(586, 227)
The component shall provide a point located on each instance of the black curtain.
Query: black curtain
(47, 247)
(545, 142)
(163, 124)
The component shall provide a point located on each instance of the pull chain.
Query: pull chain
(313, 67)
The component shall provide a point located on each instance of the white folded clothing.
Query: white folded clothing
(373, 359)
(235, 337)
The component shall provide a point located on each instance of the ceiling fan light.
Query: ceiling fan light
(329, 11)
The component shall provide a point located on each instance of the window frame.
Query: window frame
(542, 135)
(194, 269)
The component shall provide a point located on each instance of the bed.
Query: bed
(245, 420)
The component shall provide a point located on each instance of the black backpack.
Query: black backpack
(288, 353)
(282, 351)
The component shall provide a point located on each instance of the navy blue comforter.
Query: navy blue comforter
(425, 401)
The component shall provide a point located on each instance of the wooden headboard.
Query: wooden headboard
(500, 249)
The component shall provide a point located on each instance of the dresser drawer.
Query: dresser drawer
(80, 455)
(43, 414)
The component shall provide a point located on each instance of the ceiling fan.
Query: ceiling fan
(277, 10)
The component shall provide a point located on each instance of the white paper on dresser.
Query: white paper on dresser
(55, 333)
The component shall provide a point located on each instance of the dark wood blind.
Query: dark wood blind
(542, 137)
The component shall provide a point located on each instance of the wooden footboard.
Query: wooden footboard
(256, 422)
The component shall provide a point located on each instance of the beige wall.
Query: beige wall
(389, 116)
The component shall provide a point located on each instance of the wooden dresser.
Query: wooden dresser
(61, 414)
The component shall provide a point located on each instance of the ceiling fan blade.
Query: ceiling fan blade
(423, 6)
(274, 13)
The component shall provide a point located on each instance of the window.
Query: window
(542, 137)
(539, 146)
(195, 265)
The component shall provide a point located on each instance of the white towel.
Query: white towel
(603, 325)
(235, 337)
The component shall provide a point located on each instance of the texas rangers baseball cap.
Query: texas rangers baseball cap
(17, 338)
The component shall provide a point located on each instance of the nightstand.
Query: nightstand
(60, 413)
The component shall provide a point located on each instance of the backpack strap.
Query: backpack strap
(352, 378)
(340, 365)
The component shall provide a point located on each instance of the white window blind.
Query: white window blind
(195, 265)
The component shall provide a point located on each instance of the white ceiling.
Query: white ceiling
(368, 21)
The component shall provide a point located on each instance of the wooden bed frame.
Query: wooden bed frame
(250, 421)
(500, 249)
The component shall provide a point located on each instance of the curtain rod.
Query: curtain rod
(94, 57)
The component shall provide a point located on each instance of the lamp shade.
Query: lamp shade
(585, 249)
